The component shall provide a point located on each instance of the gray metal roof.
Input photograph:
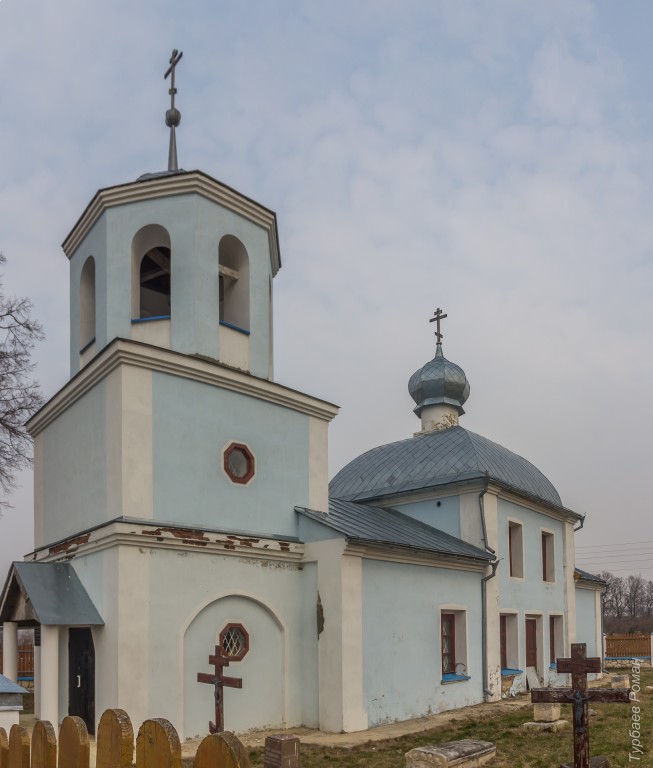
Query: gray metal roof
(49, 593)
(586, 576)
(439, 382)
(7, 686)
(361, 522)
(435, 459)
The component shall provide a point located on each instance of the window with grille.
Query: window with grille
(234, 640)
(448, 643)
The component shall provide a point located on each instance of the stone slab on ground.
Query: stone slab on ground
(546, 713)
(552, 727)
(467, 753)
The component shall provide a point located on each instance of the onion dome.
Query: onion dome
(439, 382)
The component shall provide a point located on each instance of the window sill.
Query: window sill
(149, 319)
(508, 672)
(451, 678)
(234, 327)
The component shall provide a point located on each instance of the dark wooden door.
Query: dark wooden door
(81, 671)
(531, 642)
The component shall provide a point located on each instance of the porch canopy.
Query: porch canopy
(49, 594)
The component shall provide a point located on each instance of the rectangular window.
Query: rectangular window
(515, 547)
(508, 641)
(556, 638)
(548, 562)
(448, 644)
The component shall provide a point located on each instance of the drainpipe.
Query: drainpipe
(484, 580)
(582, 523)
(481, 506)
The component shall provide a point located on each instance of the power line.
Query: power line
(615, 544)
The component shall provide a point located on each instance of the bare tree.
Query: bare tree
(635, 588)
(20, 397)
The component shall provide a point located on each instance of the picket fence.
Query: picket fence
(157, 746)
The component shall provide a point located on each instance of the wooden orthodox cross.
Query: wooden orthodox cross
(219, 661)
(578, 696)
(436, 319)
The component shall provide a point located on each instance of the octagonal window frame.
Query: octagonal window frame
(240, 627)
(230, 448)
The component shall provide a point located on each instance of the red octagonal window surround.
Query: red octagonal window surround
(239, 463)
(234, 640)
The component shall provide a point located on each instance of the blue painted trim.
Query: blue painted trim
(553, 666)
(621, 658)
(234, 327)
(87, 345)
(508, 672)
(148, 319)
(26, 677)
(451, 678)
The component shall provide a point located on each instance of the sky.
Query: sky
(493, 158)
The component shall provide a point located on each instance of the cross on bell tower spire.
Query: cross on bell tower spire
(173, 115)
(438, 315)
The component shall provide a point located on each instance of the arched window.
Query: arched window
(234, 283)
(87, 304)
(151, 276)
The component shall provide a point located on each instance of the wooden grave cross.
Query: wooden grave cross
(578, 696)
(219, 661)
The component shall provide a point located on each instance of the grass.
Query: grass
(515, 747)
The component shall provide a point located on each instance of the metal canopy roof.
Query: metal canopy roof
(436, 459)
(47, 593)
(7, 686)
(380, 525)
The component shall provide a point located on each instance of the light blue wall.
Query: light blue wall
(445, 517)
(73, 460)
(196, 226)
(192, 422)
(531, 592)
(587, 620)
(531, 595)
(402, 663)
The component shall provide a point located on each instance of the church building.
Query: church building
(182, 501)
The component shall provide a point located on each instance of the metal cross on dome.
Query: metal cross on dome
(437, 316)
(173, 115)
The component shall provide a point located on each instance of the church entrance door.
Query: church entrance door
(531, 642)
(81, 671)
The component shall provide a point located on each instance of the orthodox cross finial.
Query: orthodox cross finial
(173, 115)
(436, 319)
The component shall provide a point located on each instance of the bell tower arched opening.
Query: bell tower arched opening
(87, 304)
(151, 273)
(233, 283)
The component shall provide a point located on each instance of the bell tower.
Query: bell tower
(179, 261)
(171, 412)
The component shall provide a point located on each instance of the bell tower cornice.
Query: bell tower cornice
(168, 185)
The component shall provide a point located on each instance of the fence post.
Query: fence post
(221, 749)
(18, 747)
(4, 749)
(74, 750)
(604, 646)
(115, 740)
(651, 649)
(44, 745)
(157, 745)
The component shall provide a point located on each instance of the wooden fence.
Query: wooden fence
(628, 646)
(25, 662)
(157, 746)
